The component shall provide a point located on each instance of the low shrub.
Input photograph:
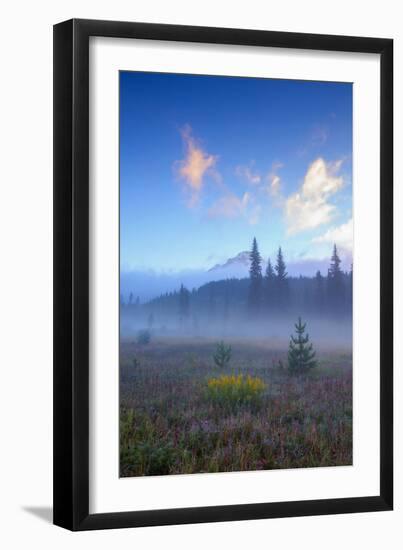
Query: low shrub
(143, 337)
(235, 390)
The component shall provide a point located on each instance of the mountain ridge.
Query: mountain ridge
(242, 258)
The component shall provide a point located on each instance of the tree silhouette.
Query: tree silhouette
(255, 279)
(281, 280)
(269, 284)
(336, 294)
(253, 297)
(270, 275)
(301, 357)
(334, 270)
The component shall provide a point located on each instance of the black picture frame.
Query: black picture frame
(71, 274)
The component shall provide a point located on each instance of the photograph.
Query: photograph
(223, 274)
(236, 274)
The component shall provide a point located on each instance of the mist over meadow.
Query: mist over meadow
(262, 305)
(238, 374)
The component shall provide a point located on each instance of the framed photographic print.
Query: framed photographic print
(223, 320)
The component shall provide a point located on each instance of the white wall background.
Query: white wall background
(26, 272)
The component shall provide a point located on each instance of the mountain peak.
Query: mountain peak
(241, 260)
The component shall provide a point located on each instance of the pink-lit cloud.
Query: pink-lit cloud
(274, 186)
(194, 167)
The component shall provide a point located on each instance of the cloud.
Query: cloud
(309, 207)
(231, 206)
(342, 236)
(245, 172)
(193, 168)
(272, 185)
(275, 185)
(274, 181)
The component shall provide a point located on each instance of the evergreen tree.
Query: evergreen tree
(275, 292)
(334, 270)
(301, 357)
(269, 284)
(336, 294)
(281, 281)
(222, 355)
(269, 275)
(255, 279)
(280, 266)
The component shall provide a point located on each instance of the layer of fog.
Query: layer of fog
(323, 331)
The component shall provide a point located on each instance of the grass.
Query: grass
(171, 425)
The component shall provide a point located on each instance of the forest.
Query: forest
(268, 294)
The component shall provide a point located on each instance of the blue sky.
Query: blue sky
(207, 163)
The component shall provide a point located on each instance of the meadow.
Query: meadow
(172, 423)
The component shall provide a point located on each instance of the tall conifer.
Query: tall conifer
(255, 279)
(269, 285)
(335, 284)
(281, 280)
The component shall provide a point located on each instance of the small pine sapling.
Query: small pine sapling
(143, 337)
(222, 355)
(301, 356)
